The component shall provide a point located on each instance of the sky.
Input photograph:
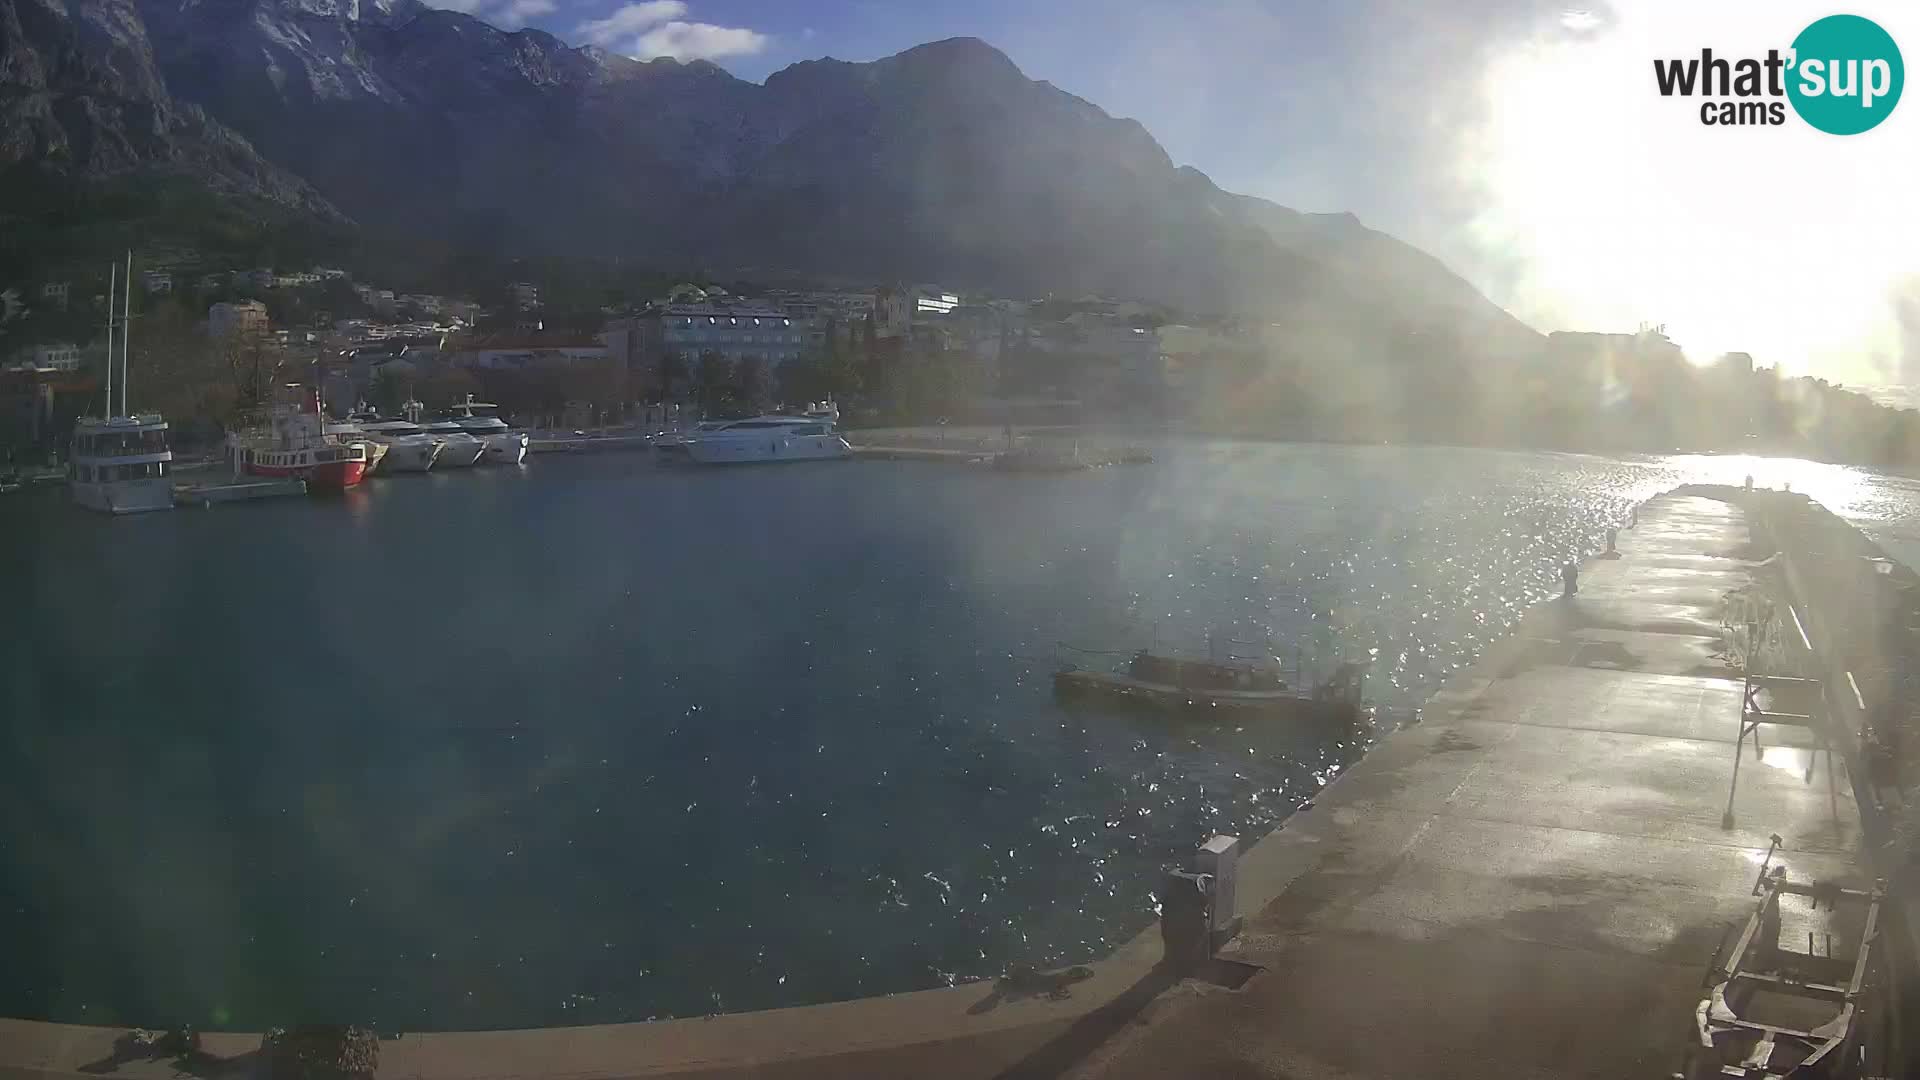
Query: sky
(1523, 142)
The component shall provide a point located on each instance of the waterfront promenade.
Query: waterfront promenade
(1530, 882)
(1534, 880)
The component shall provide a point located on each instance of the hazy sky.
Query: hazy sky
(1523, 142)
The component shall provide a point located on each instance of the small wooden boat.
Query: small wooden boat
(1177, 684)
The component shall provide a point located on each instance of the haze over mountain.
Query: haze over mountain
(942, 163)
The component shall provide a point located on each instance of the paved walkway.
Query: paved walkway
(1533, 881)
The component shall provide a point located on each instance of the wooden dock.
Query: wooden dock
(1020, 459)
(209, 494)
(587, 444)
(921, 453)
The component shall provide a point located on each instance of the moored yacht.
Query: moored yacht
(349, 431)
(409, 447)
(768, 439)
(119, 464)
(298, 445)
(672, 445)
(481, 420)
(459, 449)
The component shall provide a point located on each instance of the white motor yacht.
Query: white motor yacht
(481, 420)
(409, 447)
(672, 445)
(768, 439)
(458, 449)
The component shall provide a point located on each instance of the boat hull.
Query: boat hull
(508, 449)
(409, 457)
(768, 450)
(460, 453)
(326, 476)
(125, 496)
(1074, 684)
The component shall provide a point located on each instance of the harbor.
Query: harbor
(1546, 875)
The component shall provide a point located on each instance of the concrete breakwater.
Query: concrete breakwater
(1537, 879)
(1513, 876)
(1862, 611)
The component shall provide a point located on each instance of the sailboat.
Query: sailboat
(119, 464)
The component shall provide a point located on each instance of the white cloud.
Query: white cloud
(506, 14)
(517, 13)
(699, 41)
(628, 20)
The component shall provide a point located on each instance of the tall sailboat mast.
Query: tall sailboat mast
(112, 278)
(126, 341)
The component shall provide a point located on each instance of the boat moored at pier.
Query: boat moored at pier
(500, 444)
(766, 439)
(298, 446)
(409, 447)
(120, 464)
(1181, 685)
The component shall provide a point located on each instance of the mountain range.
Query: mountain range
(431, 127)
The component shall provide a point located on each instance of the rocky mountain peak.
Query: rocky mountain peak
(944, 162)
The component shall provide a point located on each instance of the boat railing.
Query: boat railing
(112, 457)
(1065, 664)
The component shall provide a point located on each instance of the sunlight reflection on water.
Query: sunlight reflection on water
(646, 741)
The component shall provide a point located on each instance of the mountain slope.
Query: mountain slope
(944, 162)
(83, 98)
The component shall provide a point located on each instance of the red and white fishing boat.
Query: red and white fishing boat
(300, 446)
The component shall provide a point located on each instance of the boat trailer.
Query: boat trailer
(1771, 1011)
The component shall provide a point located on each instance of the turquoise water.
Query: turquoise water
(589, 740)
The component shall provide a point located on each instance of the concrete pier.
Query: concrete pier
(587, 444)
(1533, 881)
(213, 493)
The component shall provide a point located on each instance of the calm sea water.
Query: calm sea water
(589, 740)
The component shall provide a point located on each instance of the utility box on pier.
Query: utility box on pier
(1219, 859)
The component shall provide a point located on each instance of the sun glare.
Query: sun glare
(1620, 207)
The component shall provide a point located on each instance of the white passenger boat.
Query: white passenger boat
(766, 439)
(119, 464)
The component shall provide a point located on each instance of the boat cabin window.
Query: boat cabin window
(152, 441)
